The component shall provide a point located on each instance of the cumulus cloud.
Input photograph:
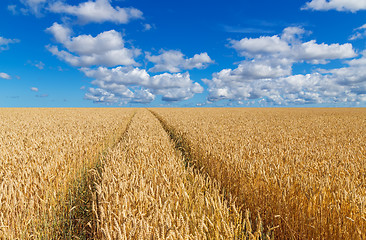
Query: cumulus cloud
(294, 89)
(353, 76)
(119, 76)
(90, 11)
(266, 73)
(5, 76)
(106, 49)
(320, 53)
(339, 5)
(174, 87)
(61, 33)
(174, 61)
(34, 89)
(142, 96)
(251, 47)
(101, 96)
(129, 84)
(97, 11)
(290, 46)
(4, 43)
(117, 80)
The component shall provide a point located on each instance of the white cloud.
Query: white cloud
(142, 96)
(147, 27)
(263, 69)
(88, 45)
(5, 75)
(12, 9)
(174, 61)
(357, 35)
(34, 89)
(4, 43)
(136, 85)
(339, 5)
(354, 75)
(174, 87)
(106, 49)
(38, 64)
(289, 46)
(360, 33)
(266, 73)
(33, 6)
(250, 47)
(101, 96)
(311, 51)
(362, 27)
(97, 11)
(61, 33)
(294, 89)
(119, 75)
(292, 34)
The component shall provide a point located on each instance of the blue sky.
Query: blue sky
(97, 53)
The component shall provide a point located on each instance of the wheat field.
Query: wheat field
(147, 193)
(302, 170)
(128, 173)
(44, 154)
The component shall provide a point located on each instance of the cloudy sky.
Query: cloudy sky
(97, 53)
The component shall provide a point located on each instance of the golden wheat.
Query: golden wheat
(43, 155)
(303, 170)
(147, 193)
(182, 174)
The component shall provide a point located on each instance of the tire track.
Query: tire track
(147, 193)
(83, 222)
(181, 144)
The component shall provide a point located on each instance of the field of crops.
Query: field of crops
(182, 174)
(303, 170)
(43, 156)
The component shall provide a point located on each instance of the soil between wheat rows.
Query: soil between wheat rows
(182, 173)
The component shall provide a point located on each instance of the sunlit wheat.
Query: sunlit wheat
(303, 170)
